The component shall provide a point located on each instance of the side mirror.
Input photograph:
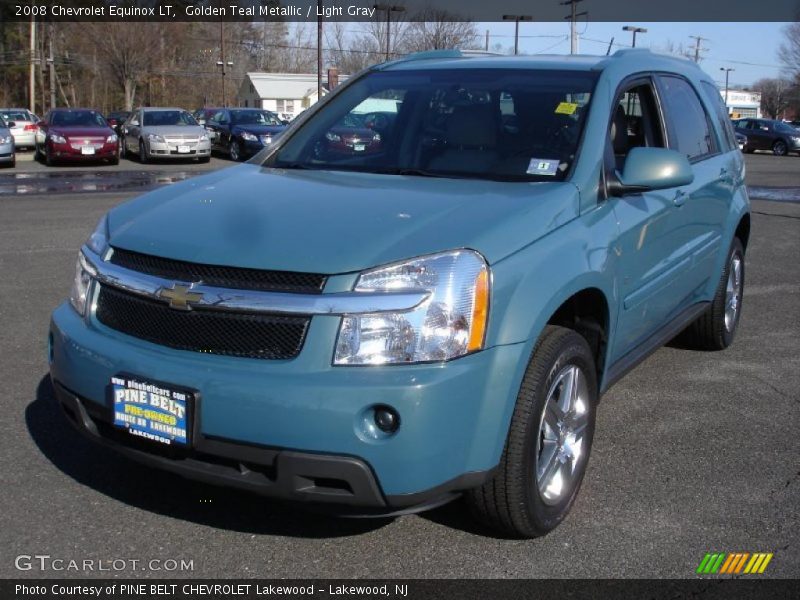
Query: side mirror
(11, 124)
(648, 169)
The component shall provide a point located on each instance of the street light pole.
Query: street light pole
(517, 19)
(727, 74)
(389, 10)
(635, 30)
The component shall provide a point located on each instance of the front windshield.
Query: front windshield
(78, 118)
(505, 124)
(156, 118)
(253, 117)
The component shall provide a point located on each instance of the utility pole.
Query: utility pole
(634, 30)
(610, 44)
(52, 65)
(697, 49)
(31, 69)
(222, 63)
(389, 10)
(517, 19)
(727, 74)
(487, 40)
(319, 50)
(573, 25)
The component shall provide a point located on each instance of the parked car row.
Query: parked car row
(79, 134)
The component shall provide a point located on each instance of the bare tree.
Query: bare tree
(125, 52)
(436, 29)
(776, 95)
(789, 50)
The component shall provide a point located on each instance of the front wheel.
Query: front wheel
(236, 151)
(143, 158)
(548, 444)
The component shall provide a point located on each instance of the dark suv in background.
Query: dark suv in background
(766, 134)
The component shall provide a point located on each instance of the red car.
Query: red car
(351, 137)
(76, 134)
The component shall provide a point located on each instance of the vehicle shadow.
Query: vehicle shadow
(156, 491)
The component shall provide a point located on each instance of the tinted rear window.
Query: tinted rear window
(690, 124)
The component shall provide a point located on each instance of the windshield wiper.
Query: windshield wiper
(416, 173)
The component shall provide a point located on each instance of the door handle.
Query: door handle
(680, 198)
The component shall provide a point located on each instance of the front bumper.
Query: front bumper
(454, 416)
(7, 153)
(179, 150)
(74, 152)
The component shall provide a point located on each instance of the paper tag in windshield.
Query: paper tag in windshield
(566, 108)
(542, 166)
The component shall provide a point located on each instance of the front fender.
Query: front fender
(531, 284)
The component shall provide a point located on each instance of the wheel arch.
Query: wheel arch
(743, 230)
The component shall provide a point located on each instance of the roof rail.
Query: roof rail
(452, 53)
(625, 51)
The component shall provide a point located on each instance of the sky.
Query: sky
(749, 48)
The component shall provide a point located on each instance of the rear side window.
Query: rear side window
(690, 124)
(724, 123)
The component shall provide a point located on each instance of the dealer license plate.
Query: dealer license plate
(87, 149)
(152, 411)
(184, 149)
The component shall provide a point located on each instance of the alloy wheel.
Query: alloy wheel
(733, 292)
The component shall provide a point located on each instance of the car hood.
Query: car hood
(176, 130)
(335, 222)
(75, 132)
(260, 129)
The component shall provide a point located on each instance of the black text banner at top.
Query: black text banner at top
(412, 10)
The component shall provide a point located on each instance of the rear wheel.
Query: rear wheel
(779, 148)
(48, 157)
(548, 443)
(716, 328)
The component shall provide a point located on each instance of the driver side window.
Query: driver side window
(635, 122)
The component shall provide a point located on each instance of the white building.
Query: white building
(284, 93)
(743, 104)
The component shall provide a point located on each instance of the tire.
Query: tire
(518, 500)
(123, 152)
(716, 328)
(37, 153)
(143, 158)
(235, 151)
(48, 157)
(749, 150)
(204, 159)
(113, 161)
(779, 148)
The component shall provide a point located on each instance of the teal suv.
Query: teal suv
(421, 291)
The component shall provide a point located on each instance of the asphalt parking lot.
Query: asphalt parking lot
(694, 452)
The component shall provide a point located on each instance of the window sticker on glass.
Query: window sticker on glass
(542, 166)
(566, 108)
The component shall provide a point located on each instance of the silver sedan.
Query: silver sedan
(7, 155)
(164, 133)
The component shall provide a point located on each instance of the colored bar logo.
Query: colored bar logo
(735, 563)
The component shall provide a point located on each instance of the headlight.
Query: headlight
(6, 140)
(111, 139)
(248, 136)
(332, 137)
(57, 139)
(203, 138)
(156, 138)
(795, 139)
(97, 242)
(450, 323)
(80, 285)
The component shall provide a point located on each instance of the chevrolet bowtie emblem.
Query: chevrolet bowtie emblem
(180, 296)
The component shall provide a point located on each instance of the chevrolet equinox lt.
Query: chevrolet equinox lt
(420, 291)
